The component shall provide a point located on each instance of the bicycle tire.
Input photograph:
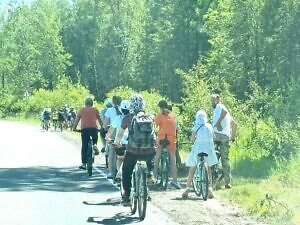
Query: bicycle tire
(89, 158)
(204, 181)
(90, 170)
(55, 125)
(197, 180)
(178, 160)
(60, 126)
(163, 175)
(142, 195)
(133, 199)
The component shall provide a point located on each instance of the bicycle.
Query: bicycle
(216, 170)
(90, 155)
(164, 166)
(139, 189)
(200, 179)
(45, 125)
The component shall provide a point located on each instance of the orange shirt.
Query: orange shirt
(89, 116)
(166, 124)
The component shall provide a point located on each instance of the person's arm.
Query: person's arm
(76, 123)
(222, 116)
(193, 136)
(109, 133)
(119, 137)
(233, 127)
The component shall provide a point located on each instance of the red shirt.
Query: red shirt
(89, 116)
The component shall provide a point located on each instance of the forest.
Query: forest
(56, 52)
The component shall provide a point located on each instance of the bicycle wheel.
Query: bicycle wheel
(89, 154)
(55, 125)
(142, 195)
(46, 126)
(133, 198)
(197, 180)
(164, 172)
(216, 176)
(204, 181)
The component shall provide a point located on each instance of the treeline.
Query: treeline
(247, 50)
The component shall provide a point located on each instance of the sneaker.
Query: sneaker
(126, 201)
(227, 186)
(96, 151)
(210, 193)
(82, 167)
(176, 184)
(109, 176)
(103, 149)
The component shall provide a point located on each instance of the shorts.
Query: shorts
(171, 139)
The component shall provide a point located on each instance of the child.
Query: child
(202, 136)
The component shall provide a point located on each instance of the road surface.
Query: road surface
(40, 183)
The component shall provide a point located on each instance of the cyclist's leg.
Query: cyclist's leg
(173, 165)
(111, 161)
(156, 161)
(172, 154)
(127, 169)
(189, 182)
(84, 145)
(94, 135)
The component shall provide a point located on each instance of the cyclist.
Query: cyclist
(89, 117)
(45, 115)
(55, 117)
(132, 153)
(202, 136)
(222, 127)
(116, 125)
(166, 123)
(109, 115)
(71, 116)
(61, 117)
(108, 104)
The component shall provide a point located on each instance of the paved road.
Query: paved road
(41, 185)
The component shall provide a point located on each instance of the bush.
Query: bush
(151, 98)
(65, 93)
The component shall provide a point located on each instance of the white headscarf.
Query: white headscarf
(201, 119)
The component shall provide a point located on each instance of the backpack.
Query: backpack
(141, 131)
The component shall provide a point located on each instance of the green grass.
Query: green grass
(272, 195)
(24, 118)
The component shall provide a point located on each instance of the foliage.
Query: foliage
(151, 98)
(65, 93)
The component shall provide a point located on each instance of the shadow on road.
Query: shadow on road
(119, 218)
(110, 201)
(52, 179)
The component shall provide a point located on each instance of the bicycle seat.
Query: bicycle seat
(120, 151)
(164, 142)
(202, 154)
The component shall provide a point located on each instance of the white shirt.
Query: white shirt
(116, 123)
(225, 123)
(110, 113)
